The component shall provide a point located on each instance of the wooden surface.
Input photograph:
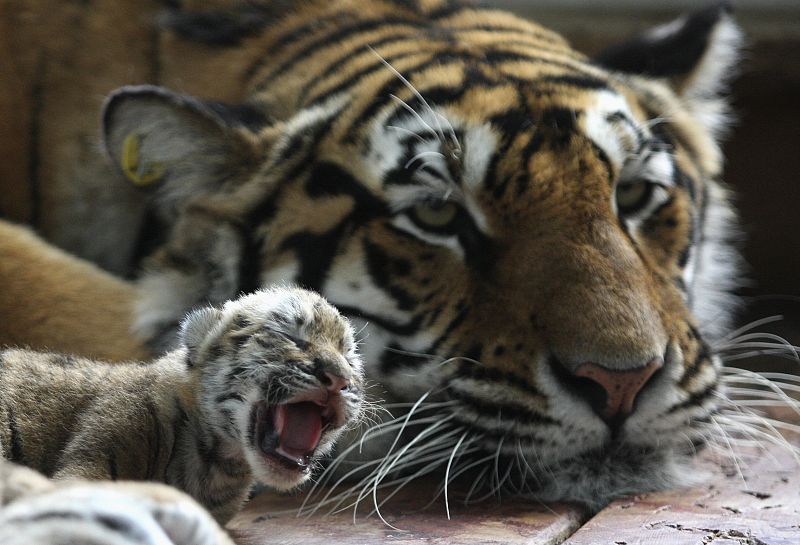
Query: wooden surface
(511, 522)
(756, 503)
(759, 507)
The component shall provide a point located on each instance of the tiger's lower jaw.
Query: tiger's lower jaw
(593, 478)
(597, 478)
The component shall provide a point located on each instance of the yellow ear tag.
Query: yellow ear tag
(140, 174)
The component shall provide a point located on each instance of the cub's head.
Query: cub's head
(536, 243)
(278, 374)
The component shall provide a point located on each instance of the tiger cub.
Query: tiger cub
(257, 390)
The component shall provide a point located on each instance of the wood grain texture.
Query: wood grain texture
(512, 522)
(762, 509)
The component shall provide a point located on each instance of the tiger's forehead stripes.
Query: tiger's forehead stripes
(609, 123)
(450, 84)
(342, 72)
(331, 32)
(400, 42)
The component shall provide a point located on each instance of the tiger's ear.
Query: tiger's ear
(695, 53)
(179, 144)
(197, 328)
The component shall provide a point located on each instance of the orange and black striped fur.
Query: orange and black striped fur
(258, 389)
(536, 242)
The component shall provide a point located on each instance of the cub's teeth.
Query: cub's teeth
(279, 418)
(299, 460)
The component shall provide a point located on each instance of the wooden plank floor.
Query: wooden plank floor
(759, 507)
(757, 503)
(513, 522)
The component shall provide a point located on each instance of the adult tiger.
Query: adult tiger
(539, 240)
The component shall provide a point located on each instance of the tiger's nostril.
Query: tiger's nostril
(621, 387)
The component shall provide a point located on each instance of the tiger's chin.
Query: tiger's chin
(598, 477)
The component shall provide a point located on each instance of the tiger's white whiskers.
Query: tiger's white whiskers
(447, 473)
(750, 326)
(412, 111)
(436, 115)
(734, 457)
(422, 154)
(416, 135)
(381, 475)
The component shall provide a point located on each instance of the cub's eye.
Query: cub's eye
(300, 343)
(436, 216)
(632, 197)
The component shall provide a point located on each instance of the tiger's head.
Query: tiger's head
(536, 244)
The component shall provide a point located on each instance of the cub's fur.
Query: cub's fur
(209, 418)
(37, 511)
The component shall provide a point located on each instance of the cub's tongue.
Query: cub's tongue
(299, 427)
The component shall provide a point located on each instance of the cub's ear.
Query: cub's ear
(198, 328)
(179, 144)
(696, 54)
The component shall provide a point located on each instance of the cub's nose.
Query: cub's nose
(621, 386)
(331, 375)
(335, 383)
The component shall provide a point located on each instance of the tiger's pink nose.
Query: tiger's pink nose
(621, 387)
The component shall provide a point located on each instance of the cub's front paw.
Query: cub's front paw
(280, 372)
(109, 514)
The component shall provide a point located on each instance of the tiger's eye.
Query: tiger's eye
(632, 196)
(436, 215)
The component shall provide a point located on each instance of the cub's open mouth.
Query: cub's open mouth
(290, 432)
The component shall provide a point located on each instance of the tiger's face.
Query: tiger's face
(531, 242)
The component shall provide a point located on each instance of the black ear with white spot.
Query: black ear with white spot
(179, 144)
(696, 53)
(197, 328)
